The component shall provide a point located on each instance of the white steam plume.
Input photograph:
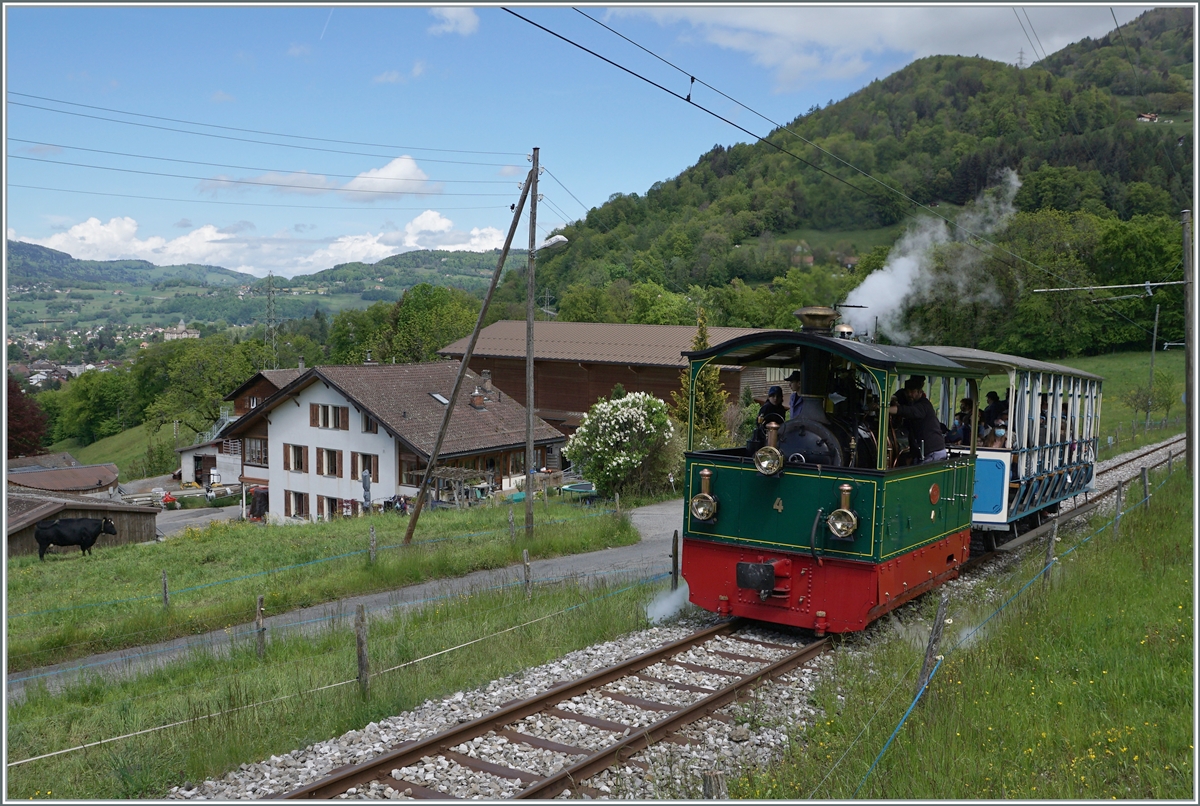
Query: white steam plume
(909, 274)
(668, 604)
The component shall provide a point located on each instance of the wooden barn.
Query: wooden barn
(25, 507)
(578, 363)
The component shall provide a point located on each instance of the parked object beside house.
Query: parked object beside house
(314, 441)
(26, 507)
(578, 363)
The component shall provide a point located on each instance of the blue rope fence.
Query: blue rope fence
(964, 639)
(281, 569)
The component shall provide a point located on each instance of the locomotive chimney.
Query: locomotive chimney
(817, 319)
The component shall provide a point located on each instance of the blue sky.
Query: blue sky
(430, 90)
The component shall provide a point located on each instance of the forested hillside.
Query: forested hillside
(743, 230)
(29, 264)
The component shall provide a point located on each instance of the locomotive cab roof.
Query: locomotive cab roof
(782, 348)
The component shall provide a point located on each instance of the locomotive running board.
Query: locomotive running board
(910, 594)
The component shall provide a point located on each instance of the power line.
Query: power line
(251, 181)
(1035, 36)
(251, 168)
(688, 99)
(240, 204)
(269, 133)
(569, 193)
(248, 140)
(1018, 16)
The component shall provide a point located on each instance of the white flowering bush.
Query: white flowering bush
(620, 444)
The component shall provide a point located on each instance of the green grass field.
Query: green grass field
(292, 715)
(1082, 690)
(71, 605)
(125, 449)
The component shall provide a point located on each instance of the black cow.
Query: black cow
(82, 532)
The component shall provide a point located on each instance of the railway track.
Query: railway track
(656, 694)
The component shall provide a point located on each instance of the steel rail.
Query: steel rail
(340, 780)
(569, 778)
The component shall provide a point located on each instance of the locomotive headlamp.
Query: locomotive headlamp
(842, 521)
(703, 505)
(768, 459)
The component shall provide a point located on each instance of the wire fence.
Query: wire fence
(1112, 522)
(158, 596)
(645, 580)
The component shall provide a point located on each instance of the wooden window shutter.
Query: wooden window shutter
(345, 416)
(304, 459)
(287, 504)
(338, 468)
(320, 506)
(353, 465)
(287, 457)
(314, 415)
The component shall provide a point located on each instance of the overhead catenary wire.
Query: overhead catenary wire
(248, 140)
(225, 180)
(237, 203)
(268, 133)
(768, 142)
(358, 176)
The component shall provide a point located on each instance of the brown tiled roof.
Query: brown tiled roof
(400, 397)
(25, 506)
(60, 459)
(637, 345)
(65, 479)
(278, 378)
(281, 377)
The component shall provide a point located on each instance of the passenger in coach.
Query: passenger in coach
(796, 402)
(924, 428)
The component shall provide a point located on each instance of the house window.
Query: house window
(328, 508)
(324, 416)
(252, 402)
(295, 505)
(364, 461)
(295, 458)
(329, 462)
(369, 426)
(231, 447)
(256, 451)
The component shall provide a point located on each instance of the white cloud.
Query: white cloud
(803, 44)
(285, 252)
(298, 50)
(220, 97)
(396, 77)
(400, 175)
(513, 170)
(456, 20)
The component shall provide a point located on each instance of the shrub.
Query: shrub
(620, 443)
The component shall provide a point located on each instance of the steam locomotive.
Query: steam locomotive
(830, 519)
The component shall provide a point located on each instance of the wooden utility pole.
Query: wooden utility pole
(462, 368)
(529, 308)
(1150, 388)
(1189, 372)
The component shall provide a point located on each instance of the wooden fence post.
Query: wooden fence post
(166, 595)
(528, 578)
(617, 498)
(675, 561)
(372, 544)
(935, 638)
(713, 786)
(1117, 520)
(360, 635)
(1050, 559)
(1146, 487)
(1170, 463)
(260, 627)
(512, 525)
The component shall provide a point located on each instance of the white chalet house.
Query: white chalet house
(310, 441)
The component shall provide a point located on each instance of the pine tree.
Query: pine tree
(711, 398)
